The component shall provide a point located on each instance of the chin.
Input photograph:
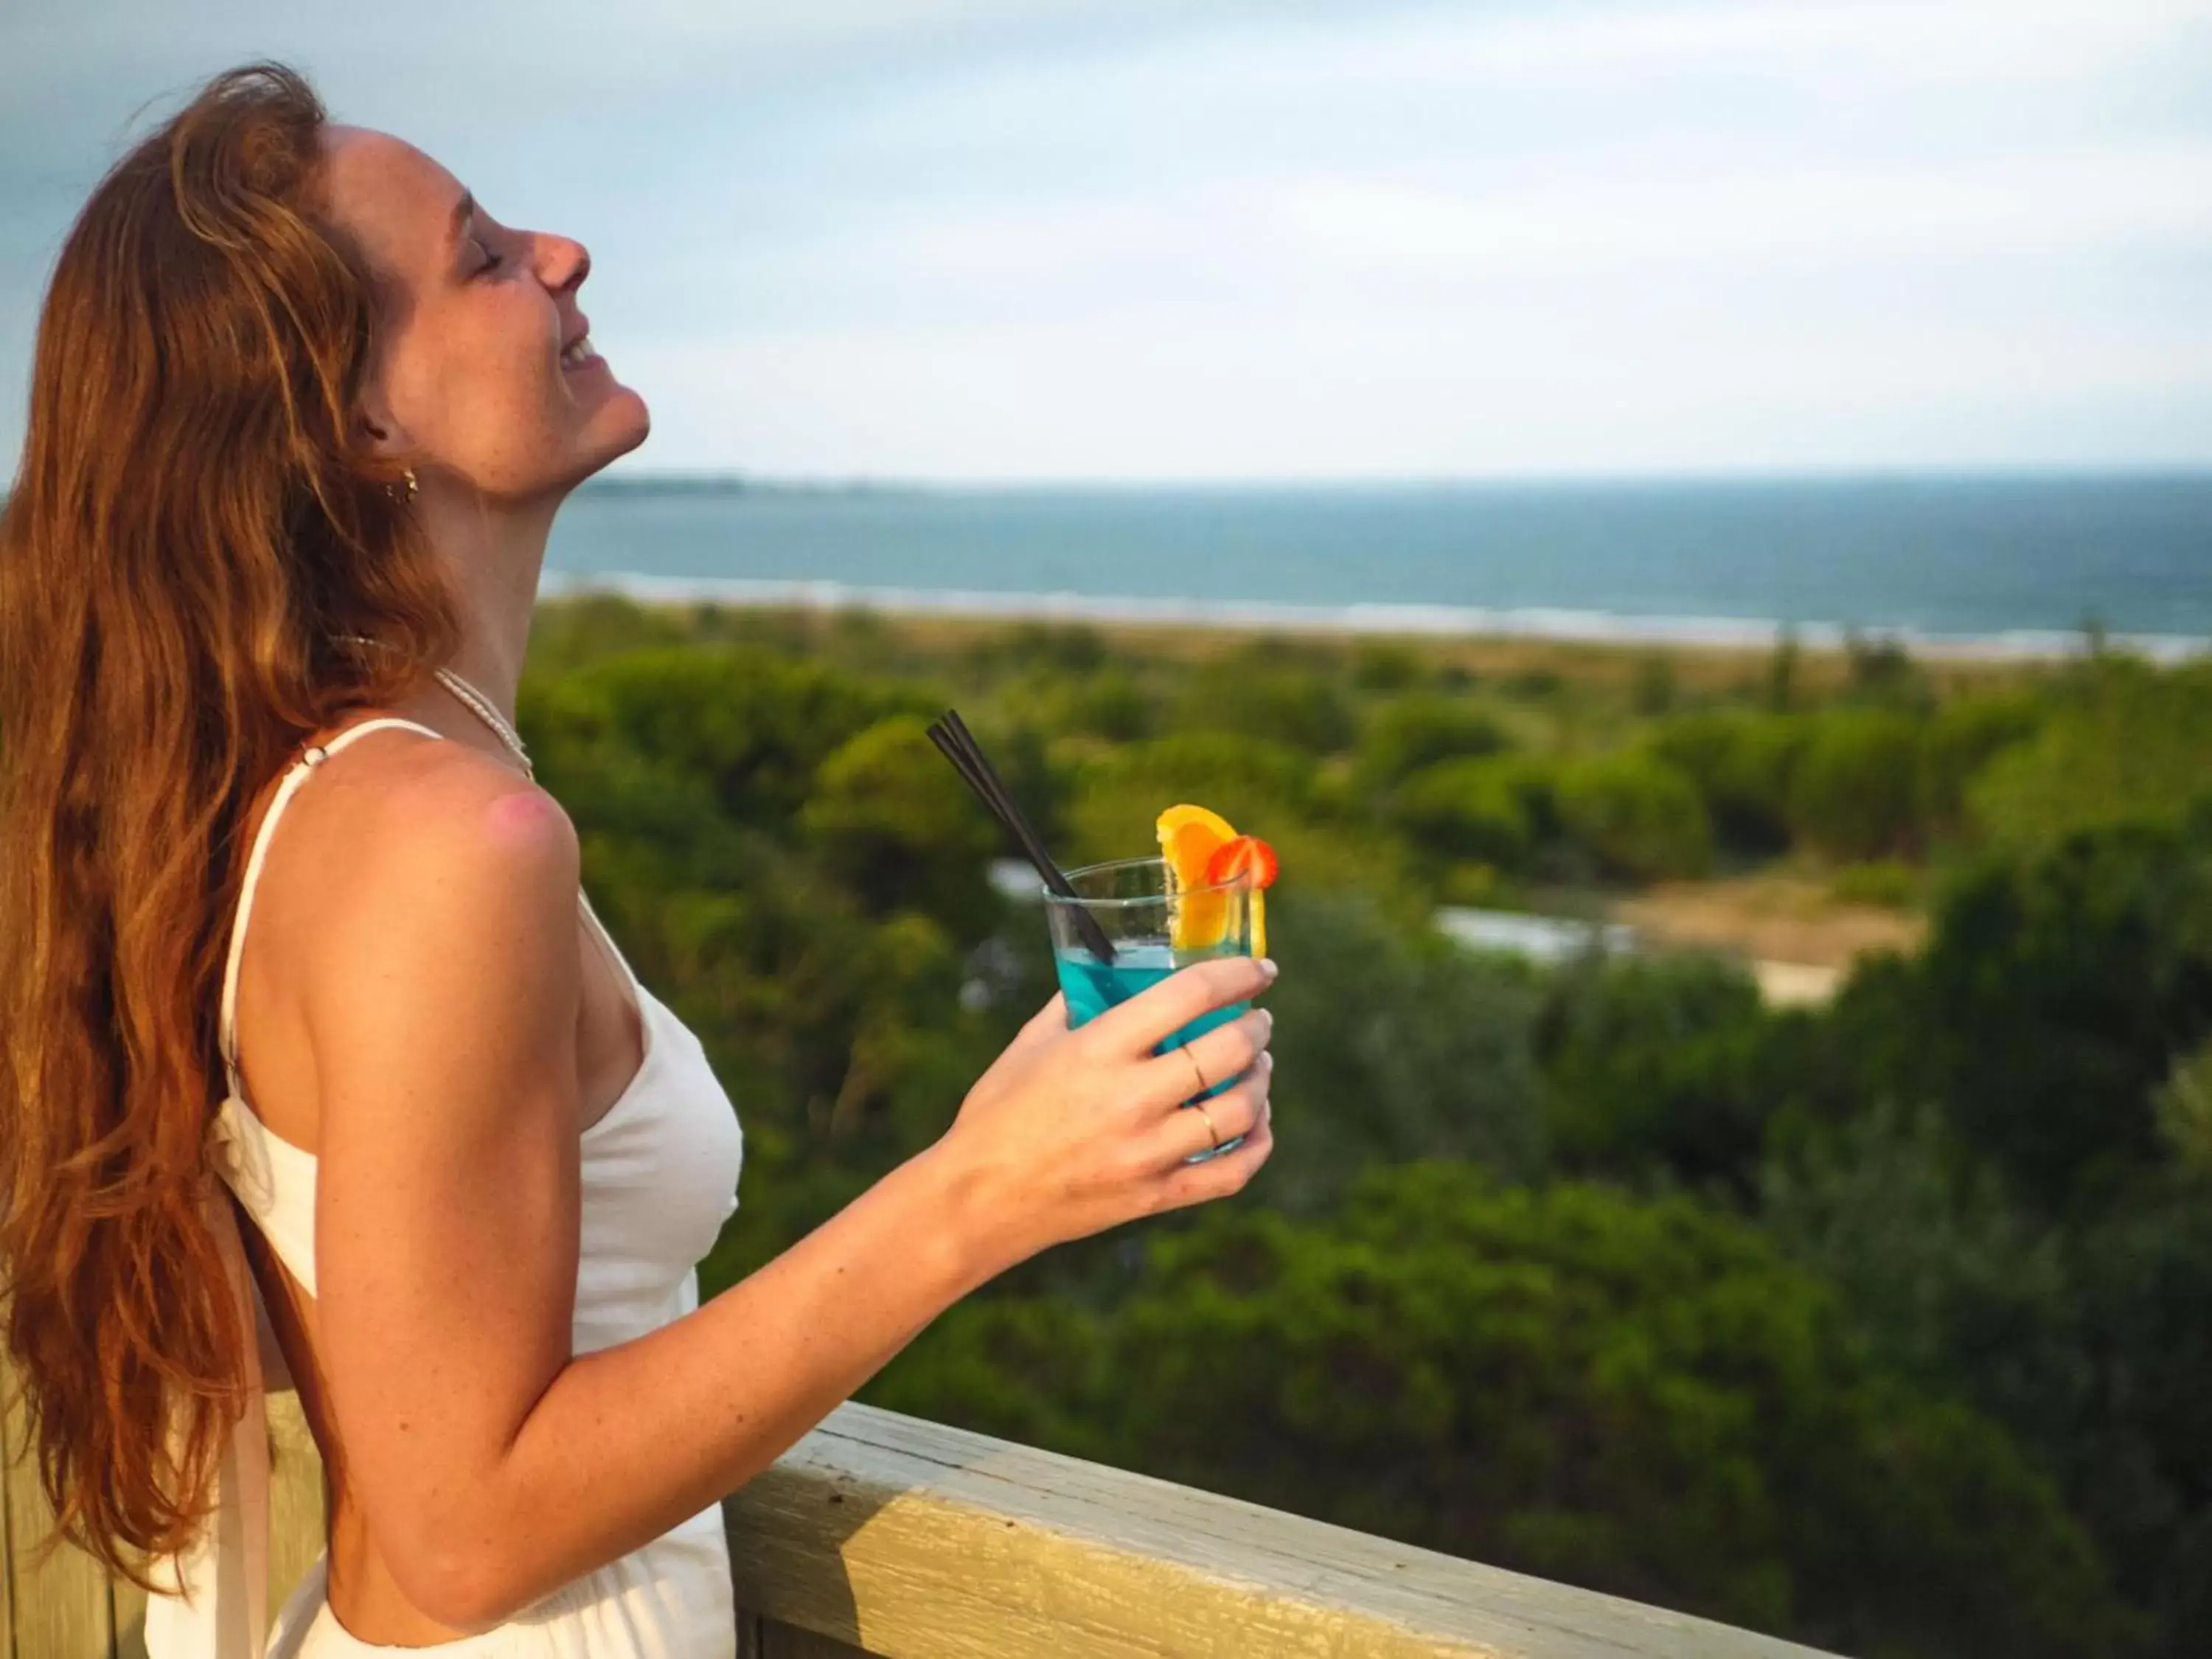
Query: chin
(619, 426)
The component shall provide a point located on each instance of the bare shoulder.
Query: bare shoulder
(402, 798)
(428, 846)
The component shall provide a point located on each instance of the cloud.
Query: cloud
(1060, 238)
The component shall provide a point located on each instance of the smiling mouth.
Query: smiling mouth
(580, 354)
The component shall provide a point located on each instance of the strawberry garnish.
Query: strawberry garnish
(1242, 857)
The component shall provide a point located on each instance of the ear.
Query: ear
(383, 441)
(377, 427)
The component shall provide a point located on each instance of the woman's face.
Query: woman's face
(483, 374)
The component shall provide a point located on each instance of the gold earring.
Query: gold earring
(409, 475)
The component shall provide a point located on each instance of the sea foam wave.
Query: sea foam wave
(1438, 621)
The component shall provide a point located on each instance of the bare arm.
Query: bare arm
(491, 1464)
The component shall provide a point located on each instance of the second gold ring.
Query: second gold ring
(1212, 1134)
(1203, 1086)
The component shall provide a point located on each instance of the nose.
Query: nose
(564, 263)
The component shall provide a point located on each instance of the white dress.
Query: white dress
(659, 1175)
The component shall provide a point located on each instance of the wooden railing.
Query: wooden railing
(882, 1534)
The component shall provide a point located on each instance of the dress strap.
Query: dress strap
(613, 949)
(295, 775)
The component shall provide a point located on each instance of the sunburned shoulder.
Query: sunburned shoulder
(441, 821)
(411, 879)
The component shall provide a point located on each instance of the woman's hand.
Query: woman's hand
(1071, 1132)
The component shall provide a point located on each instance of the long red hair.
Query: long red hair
(194, 523)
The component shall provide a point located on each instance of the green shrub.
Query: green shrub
(1961, 739)
(693, 735)
(1300, 707)
(1655, 1068)
(1386, 666)
(1111, 703)
(1114, 795)
(2184, 1105)
(890, 818)
(2130, 744)
(2058, 990)
(1408, 734)
(1882, 670)
(1638, 815)
(791, 864)
(1471, 882)
(1470, 809)
(1888, 881)
(1064, 647)
(1742, 761)
(1392, 1045)
(1855, 791)
(1641, 1397)
(1652, 690)
(2093, 1343)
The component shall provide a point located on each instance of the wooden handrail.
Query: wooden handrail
(883, 1534)
(892, 1536)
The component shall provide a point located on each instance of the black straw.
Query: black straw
(952, 737)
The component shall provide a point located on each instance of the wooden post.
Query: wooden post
(70, 1609)
(59, 1608)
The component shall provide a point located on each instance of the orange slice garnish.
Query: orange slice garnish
(1176, 818)
(1189, 836)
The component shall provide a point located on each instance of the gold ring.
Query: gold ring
(1211, 1134)
(1203, 1086)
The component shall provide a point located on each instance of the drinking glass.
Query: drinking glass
(1130, 902)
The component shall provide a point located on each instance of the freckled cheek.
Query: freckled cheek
(508, 375)
(491, 412)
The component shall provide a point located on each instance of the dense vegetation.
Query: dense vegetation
(1886, 1325)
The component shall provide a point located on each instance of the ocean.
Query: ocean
(2004, 565)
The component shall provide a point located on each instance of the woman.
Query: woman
(301, 417)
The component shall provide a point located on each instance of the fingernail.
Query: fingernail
(1268, 967)
(1267, 1059)
(1270, 1013)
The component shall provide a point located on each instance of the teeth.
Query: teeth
(578, 353)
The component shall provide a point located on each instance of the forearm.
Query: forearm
(632, 1439)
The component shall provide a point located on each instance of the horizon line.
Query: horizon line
(1993, 472)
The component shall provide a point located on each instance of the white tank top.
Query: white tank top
(659, 1175)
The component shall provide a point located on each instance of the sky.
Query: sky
(1152, 240)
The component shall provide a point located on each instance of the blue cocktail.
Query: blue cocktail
(1154, 931)
(1093, 987)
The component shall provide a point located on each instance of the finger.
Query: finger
(1231, 1113)
(1193, 1067)
(1145, 1020)
(1219, 1175)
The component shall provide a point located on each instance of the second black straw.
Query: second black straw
(957, 745)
